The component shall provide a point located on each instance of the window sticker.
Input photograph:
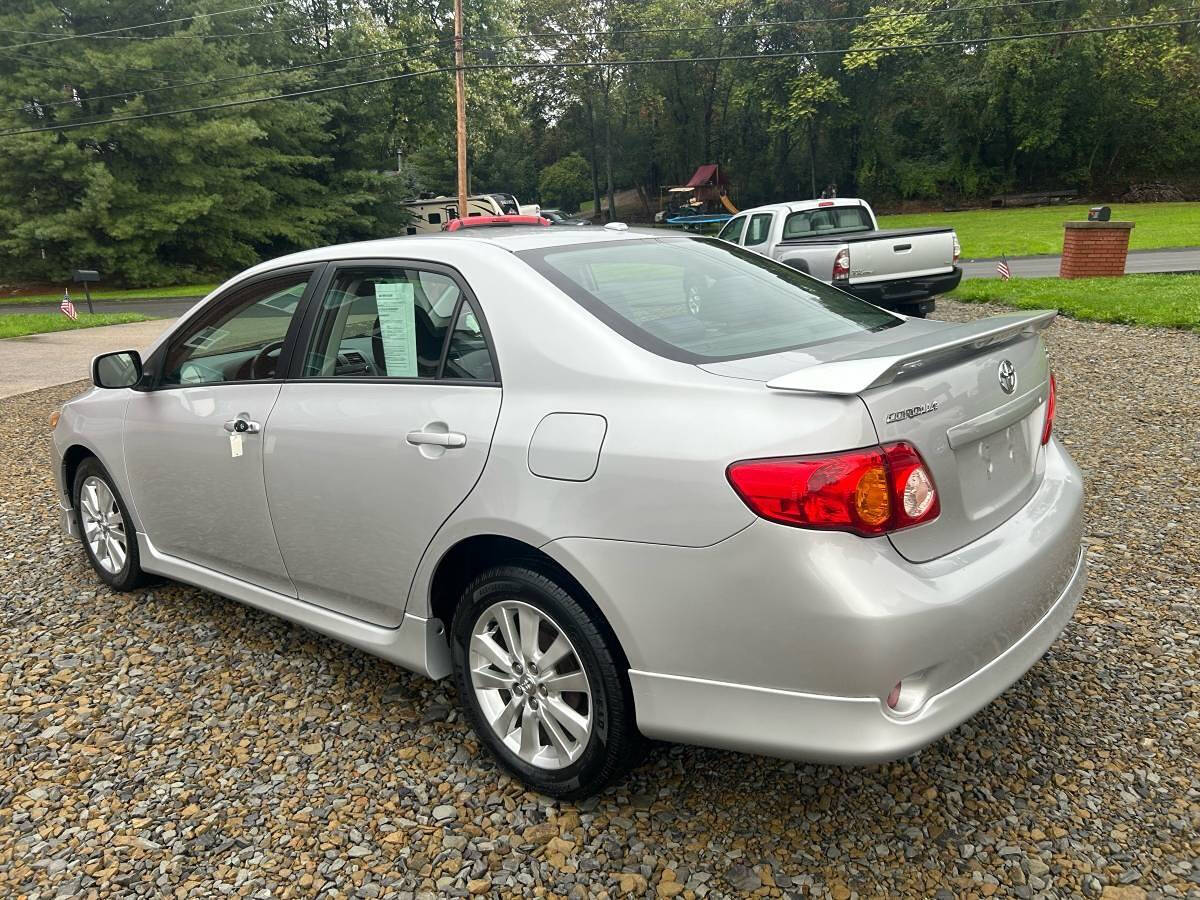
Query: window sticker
(397, 327)
(205, 338)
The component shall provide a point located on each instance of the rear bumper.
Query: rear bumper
(787, 641)
(906, 291)
(844, 730)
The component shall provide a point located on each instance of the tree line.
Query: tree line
(570, 101)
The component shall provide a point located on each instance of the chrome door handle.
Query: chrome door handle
(451, 440)
(242, 425)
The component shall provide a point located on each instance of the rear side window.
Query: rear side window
(699, 300)
(760, 227)
(829, 220)
(396, 322)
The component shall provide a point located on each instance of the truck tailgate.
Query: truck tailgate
(912, 253)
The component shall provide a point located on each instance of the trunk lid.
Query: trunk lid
(980, 444)
(941, 390)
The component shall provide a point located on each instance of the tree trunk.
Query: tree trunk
(595, 167)
(612, 200)
(812, 157)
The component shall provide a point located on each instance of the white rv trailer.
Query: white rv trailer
(430, 214)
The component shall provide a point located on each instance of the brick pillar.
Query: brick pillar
(1094, 248)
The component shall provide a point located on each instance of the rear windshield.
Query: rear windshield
(702, 300)
(830, 220)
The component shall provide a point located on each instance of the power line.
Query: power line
(1038, 22)
(183, 84)
(184, 35)
(617, 63)
(1016, 4)
(492, 47)
(71, 37)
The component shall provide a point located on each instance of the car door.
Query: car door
(382, 430)
(194, 440)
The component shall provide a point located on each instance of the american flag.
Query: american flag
(67, 308)
(1003, 270)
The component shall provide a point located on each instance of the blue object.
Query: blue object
(699, 220)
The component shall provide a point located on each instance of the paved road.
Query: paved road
(41, 360)
(172, 308)
(1185, 259)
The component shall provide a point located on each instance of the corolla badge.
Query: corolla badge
(1008, 377)
(912, 412)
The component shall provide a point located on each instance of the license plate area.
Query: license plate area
(996, 470)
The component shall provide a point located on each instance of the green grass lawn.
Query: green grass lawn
(77, 295)
(19, 325)
(1039, 229)
(1168, 300)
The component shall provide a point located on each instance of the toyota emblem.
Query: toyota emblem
(1008, 377)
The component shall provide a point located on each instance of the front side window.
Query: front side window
(827, 220)
(701, 300)
(760, 227)
(395, 322)
(240, 339)
(732, 231)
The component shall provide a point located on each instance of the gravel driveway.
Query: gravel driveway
(174, 741)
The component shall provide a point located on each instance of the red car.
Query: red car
(474, 221)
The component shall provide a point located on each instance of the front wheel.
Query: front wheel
(108, 536)
(541, 683)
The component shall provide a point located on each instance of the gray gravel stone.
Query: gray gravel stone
(156, 743)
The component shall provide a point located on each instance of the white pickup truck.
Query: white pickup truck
(839, 241)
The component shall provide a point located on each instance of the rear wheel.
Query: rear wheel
(541, 683)
(108, 536)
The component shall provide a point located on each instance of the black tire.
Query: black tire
(614, 744)
(130, 576)
(918, 310)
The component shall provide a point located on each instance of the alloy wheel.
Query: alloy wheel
(103, 526)
(530, 684)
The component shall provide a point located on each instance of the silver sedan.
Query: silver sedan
(617, 484)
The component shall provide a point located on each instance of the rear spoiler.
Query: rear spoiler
(874, 368)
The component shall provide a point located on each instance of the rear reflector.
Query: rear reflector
(1048, 427)
(870, 491)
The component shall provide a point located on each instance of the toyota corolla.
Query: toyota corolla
(617, 484)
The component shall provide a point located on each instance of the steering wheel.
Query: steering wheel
(267, 356)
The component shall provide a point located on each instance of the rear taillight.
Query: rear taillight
(1048, 427)
(957, 249)
(841, 265)
(869, 492)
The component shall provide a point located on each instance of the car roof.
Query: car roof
(513, 238)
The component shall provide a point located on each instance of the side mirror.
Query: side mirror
(122, 369)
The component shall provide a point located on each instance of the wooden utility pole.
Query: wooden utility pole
(460, 104)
